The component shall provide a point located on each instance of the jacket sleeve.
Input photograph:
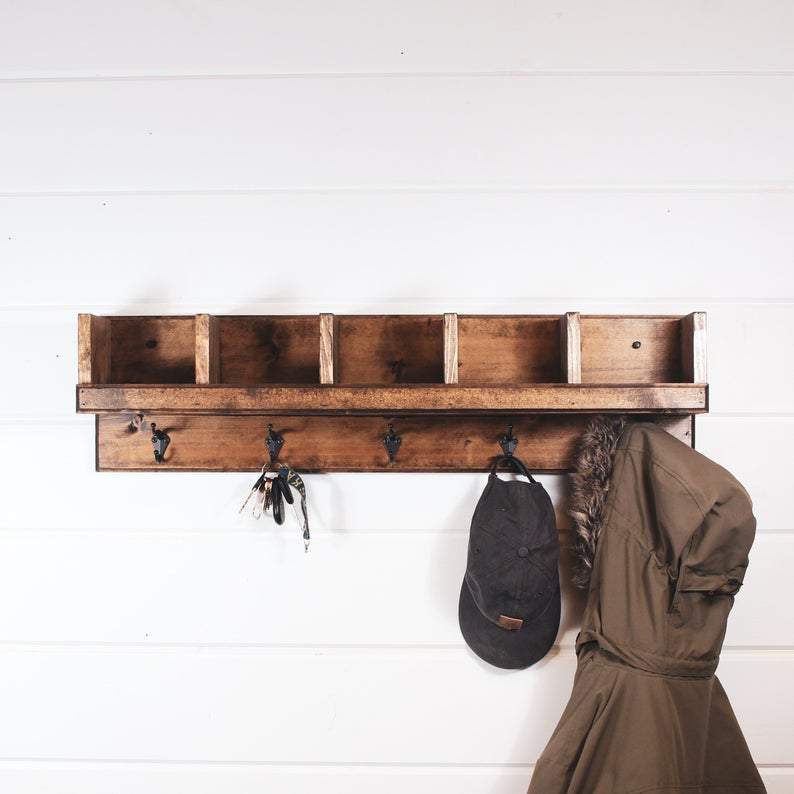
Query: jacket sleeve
(716, 556)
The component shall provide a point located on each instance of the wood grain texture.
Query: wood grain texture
(327, 348)
(390, 349)
(153, 350)
(508, 349)
(694, 348)
(208, 360)
(571, 347)
(93, 349)
(450, 347)
(269, 349)
(631, 349)
(347, 443)
(551, 398)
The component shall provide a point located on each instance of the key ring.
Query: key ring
(253, 490)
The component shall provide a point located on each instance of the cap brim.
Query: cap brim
(510, 650)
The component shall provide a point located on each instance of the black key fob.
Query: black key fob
(286, 490)
(278, 501)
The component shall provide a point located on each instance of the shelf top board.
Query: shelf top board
(661, 398)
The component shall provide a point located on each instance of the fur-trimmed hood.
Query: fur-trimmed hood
(590, 485)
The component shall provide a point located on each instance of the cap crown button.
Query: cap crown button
(523, 551)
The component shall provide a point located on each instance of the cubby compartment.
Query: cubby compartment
(508, 349)
(151, 349)
(631, 349)
(389, 349)
(275, 349)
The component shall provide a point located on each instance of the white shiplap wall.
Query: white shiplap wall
(626, 156)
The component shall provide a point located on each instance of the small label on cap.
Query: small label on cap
(511, 624)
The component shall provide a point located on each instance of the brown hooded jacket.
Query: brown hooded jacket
(664, 535)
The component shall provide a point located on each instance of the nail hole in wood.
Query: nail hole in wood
(397, 368)
(151, 343)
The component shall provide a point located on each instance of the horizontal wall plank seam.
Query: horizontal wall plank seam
(464, 305)
(727, 188)
(301, 765)
(318, 649)
(297, 765)
(391, 75)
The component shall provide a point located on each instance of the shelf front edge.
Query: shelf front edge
(672, 398)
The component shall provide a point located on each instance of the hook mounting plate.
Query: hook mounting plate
(274, 442)
(392, 442)
(160, 442)
(508, 442)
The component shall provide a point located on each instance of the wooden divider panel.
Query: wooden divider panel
(450, 348)
(93, 349)
(327, 348)
(694, 360)
(571, 347)
(208, 362)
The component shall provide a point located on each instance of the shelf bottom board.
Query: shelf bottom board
(546, 442)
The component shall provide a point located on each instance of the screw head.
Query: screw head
(636, 345)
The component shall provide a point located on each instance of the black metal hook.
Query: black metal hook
(274, 442)
(160, 441)
(392, 442)
(508, 442)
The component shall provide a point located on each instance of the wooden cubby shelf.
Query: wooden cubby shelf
(331, 383)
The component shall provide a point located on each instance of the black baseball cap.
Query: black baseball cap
(509, 609)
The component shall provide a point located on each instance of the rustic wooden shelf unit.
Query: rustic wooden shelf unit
(330, 385)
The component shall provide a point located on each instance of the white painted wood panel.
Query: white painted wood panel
(628, 156)
(296, 249)
(260, 588)
(756, 452)
(88, 38)
(71, 495)
(81, 777)
(353, 132)
(437, 706)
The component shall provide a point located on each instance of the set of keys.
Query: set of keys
(272, 490)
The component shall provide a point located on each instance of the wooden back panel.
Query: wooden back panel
(388, 349)
(508, 349)
(276, 349)
(152, 349)
(348, 443)
(610, 353)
